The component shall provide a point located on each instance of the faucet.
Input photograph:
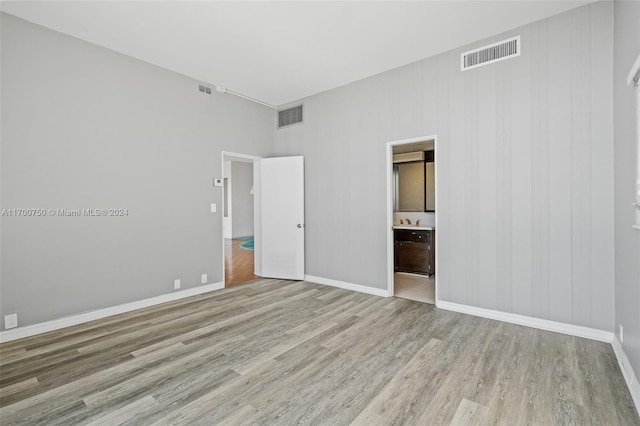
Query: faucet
(418, 222)
(408, 221)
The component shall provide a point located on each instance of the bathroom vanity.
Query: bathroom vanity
(414, 249)
(414, 207)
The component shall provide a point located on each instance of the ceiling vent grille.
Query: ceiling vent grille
(486, 55)
(290, 116)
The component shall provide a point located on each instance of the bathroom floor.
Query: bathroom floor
(415, 287)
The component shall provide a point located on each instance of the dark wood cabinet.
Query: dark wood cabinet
(414, 251)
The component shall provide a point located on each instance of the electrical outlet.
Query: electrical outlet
(176, 284)
(621, 334)
(203, 279)
(11, 321)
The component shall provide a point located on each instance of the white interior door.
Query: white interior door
(281, 230)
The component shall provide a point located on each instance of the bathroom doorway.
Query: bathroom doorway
(412, 219)
(238, 219)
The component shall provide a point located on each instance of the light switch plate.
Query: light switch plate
(214, 208)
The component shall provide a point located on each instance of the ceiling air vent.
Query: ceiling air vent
(489, 54)
(290, 116)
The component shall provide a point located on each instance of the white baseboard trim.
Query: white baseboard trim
(558, 327)
(43, 327)
(347, 286)
(627, 371)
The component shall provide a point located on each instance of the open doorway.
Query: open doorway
(238, 218)
(411, 219)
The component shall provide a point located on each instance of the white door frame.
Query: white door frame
(227, 200)
(226, 155)
(389, 167)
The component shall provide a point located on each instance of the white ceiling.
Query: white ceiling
(279, 52)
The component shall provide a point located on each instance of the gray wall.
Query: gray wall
(525, 163)
(86, 127)
(627, 240)
(242, 200)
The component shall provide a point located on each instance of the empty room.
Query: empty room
(320, 212)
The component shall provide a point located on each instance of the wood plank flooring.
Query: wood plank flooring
(272, 352)
(238, 263)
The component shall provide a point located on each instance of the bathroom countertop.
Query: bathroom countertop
(414, 227)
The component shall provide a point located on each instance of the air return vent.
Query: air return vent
(204, 89)
(286, 117)
(489, 54)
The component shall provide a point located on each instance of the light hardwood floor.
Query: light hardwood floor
(238, 263)
(273, 352)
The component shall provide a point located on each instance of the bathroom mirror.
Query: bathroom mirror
(410, 187)
(414, 185)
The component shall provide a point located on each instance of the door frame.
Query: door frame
(227, 198)
(389, 167)
(234, 156)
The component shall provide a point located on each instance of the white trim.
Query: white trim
(636, 204)
(627, 371)
(257, 224)
(436, 159)
(542, 324)
(389, 167)
(635, 70)
(44, 327)
(239, 157)
(347, 286)
(227, 200)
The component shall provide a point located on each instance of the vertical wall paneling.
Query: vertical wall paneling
(504, 189)
(523, 159)
(522, 100)
(445, 235)
(470, 197)
(560, 168)
(454, 231)
(601, 158)
(486, 212)
(539, 66)
(581, 167)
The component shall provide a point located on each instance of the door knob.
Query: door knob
(299, 225)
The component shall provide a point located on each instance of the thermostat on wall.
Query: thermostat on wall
(217, 182)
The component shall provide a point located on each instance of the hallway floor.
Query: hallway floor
(238, 263)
